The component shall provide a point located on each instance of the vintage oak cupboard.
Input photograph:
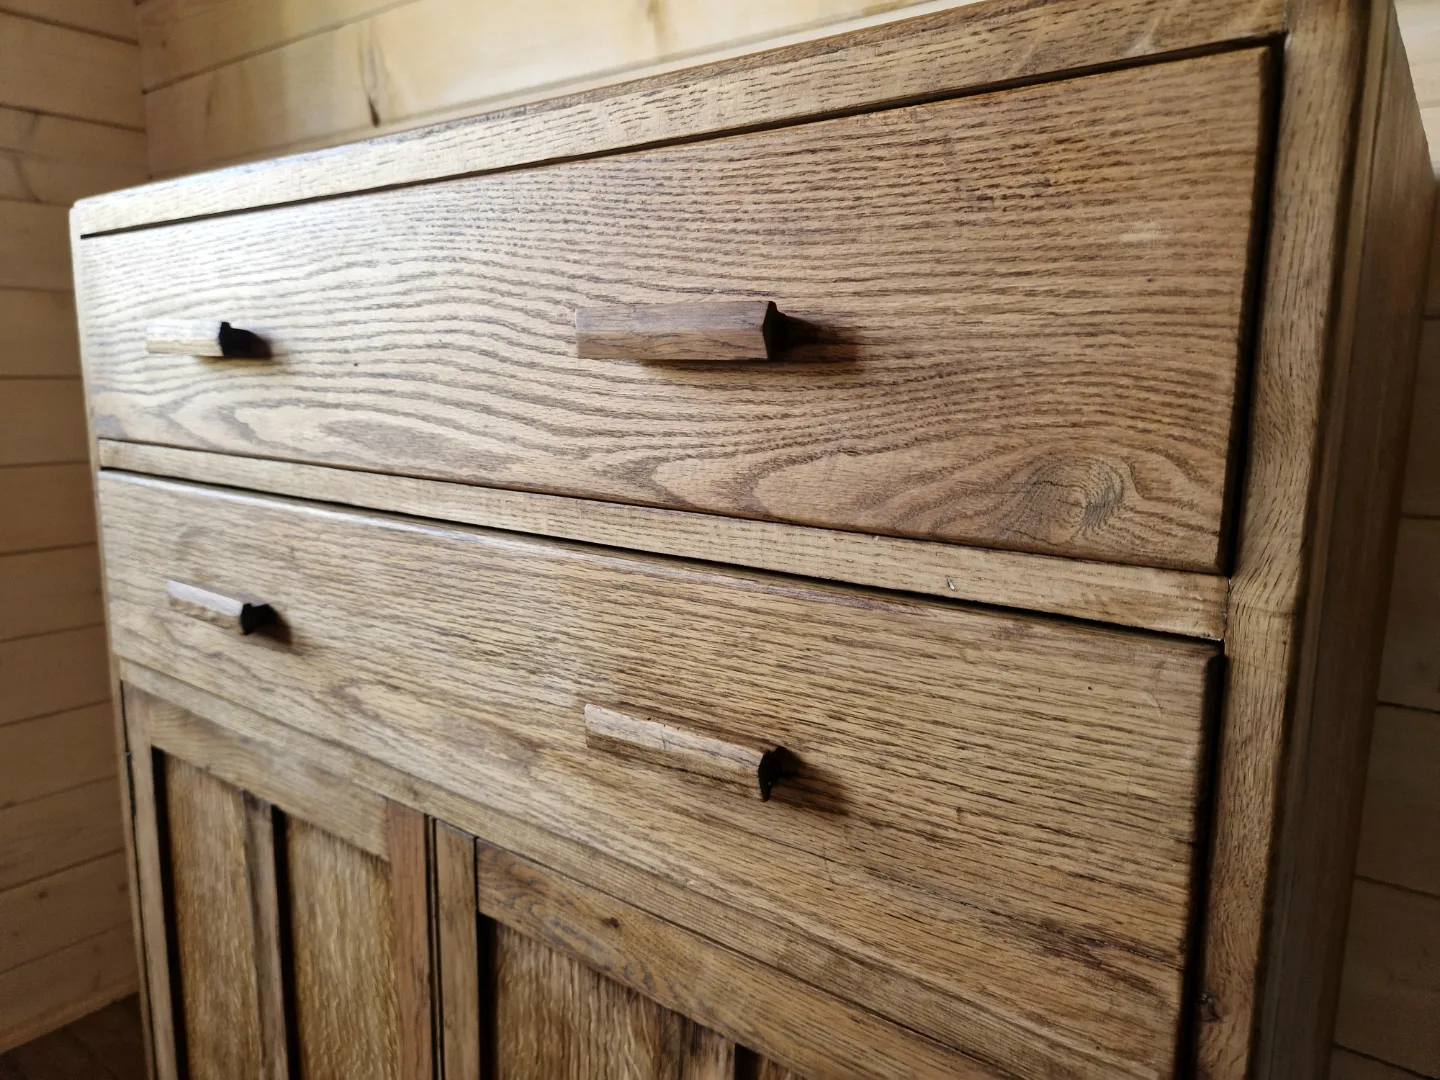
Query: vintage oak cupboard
(859, 560)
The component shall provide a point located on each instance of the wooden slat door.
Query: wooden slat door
(515, 1007)
(285, 911)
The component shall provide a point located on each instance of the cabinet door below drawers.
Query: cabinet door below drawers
(281, 940)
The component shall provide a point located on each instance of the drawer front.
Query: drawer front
(1019, 321)
(994, 815)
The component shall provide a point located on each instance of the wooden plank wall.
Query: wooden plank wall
(70, 125)
(228, 80)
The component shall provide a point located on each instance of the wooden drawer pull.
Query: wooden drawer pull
(200, 337)
(753, 766)
(729, 330)
(227, 612)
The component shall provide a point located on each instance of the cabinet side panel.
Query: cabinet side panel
(1356, 519)
(1345, 264)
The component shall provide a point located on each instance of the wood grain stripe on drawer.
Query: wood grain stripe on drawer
(1173, 601)
(999, 810)
(1018, 321)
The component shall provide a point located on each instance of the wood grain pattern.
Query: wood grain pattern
(52, 673)
(54, 69)
(1135, 718)
(44, 591)
(34, 252)
(752, 766)
(770, 944)
(213, 929)
(47, 834)
(457, 957)
(62, 986)
(344, 951)
(769, 1070)
(263, 891)
(1072, 396)
(1347, 1066)
(113, 18)
(179, 38)
(50, 753)
(558, 1020)
(42, 422)
(42, 137)
(630, 950)
(1422, 460)
(232, 613)
(49, 913)
(152, 932)
(715, 331)
(1392, 978)
(407, 842)
(107, 1040)
(1173, 601)
(46, 506)
(1313, 540)
(423, 60)
(944, 52)
(56, 160)
(40, 334)
(61, 183)
(1400, 832)
(1410, 670)
(295, 785)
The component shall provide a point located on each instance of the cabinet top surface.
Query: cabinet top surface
(989, 45)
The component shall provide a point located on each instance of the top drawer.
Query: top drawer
(1024, 312)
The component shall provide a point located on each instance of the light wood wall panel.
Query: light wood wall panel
(232, 80)
(1410, 670)
(34, 244)
(66, 72)
(1420, 25)
(70, 113)
(1387, 1005)
(44, 422)
(45, 591)
(1400, 834)
(46, 506)
(40, 337)
(46, 754)
(111, 18)
(36, 918)
(39, 996)
(50, 673)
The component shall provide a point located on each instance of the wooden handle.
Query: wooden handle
(753, 766)
(731, 330)
(200, 337)
(227, 612)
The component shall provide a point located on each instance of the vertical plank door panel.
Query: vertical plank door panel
(210, 898)
(346, 1008)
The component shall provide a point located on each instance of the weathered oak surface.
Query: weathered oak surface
(986, 791)
(1024, 309)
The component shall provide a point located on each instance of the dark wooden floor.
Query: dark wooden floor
(106, 1045)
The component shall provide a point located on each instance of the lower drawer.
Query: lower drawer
(995, 815)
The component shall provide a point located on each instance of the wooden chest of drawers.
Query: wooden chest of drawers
(955, 669)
